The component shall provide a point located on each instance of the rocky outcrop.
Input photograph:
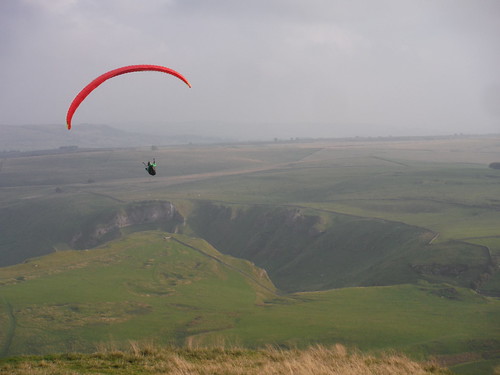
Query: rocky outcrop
(143, 215)
(448, 270)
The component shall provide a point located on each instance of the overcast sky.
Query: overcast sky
(274, 68)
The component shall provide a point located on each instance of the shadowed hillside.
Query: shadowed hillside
(317, 251)
(66, 221)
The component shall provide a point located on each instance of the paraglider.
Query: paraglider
(113, 73)
(151, 167)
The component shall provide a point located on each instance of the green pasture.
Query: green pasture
(144, 286)
(457, 201)
(100, 166)
(149, 286)
(414, 318)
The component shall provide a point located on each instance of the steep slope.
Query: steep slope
(148, 285)
(304, 251)
(60, 221)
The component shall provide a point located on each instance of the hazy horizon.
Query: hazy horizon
(268, 68)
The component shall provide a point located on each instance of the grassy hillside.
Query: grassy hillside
(40, 225)
(418, 216)
(316, 250)
(61, 221)
(144, 286)
(148, 359)
(172, 289)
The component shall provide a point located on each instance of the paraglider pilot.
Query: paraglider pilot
(151, 167)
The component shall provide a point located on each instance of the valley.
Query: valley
(375, 244)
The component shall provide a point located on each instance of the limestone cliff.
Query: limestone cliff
(144, 215)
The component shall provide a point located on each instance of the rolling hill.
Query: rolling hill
(32, 138)
(172, 289)
(379, 244)
(147, 285)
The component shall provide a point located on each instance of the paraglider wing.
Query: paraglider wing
(113, 73)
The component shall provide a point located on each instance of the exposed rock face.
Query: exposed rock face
(450, 270)
(154, 214)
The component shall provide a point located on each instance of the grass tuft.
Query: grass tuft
(146, 358)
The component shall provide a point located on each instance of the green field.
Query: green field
(144, 286)
(381, 244)
(181, 291)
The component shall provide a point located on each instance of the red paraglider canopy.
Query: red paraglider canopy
(113, 73)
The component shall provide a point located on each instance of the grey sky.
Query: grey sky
(283, 68)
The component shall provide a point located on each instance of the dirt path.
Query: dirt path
(176, 180)
(173, 180)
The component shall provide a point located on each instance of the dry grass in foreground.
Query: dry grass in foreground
(149, 359)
